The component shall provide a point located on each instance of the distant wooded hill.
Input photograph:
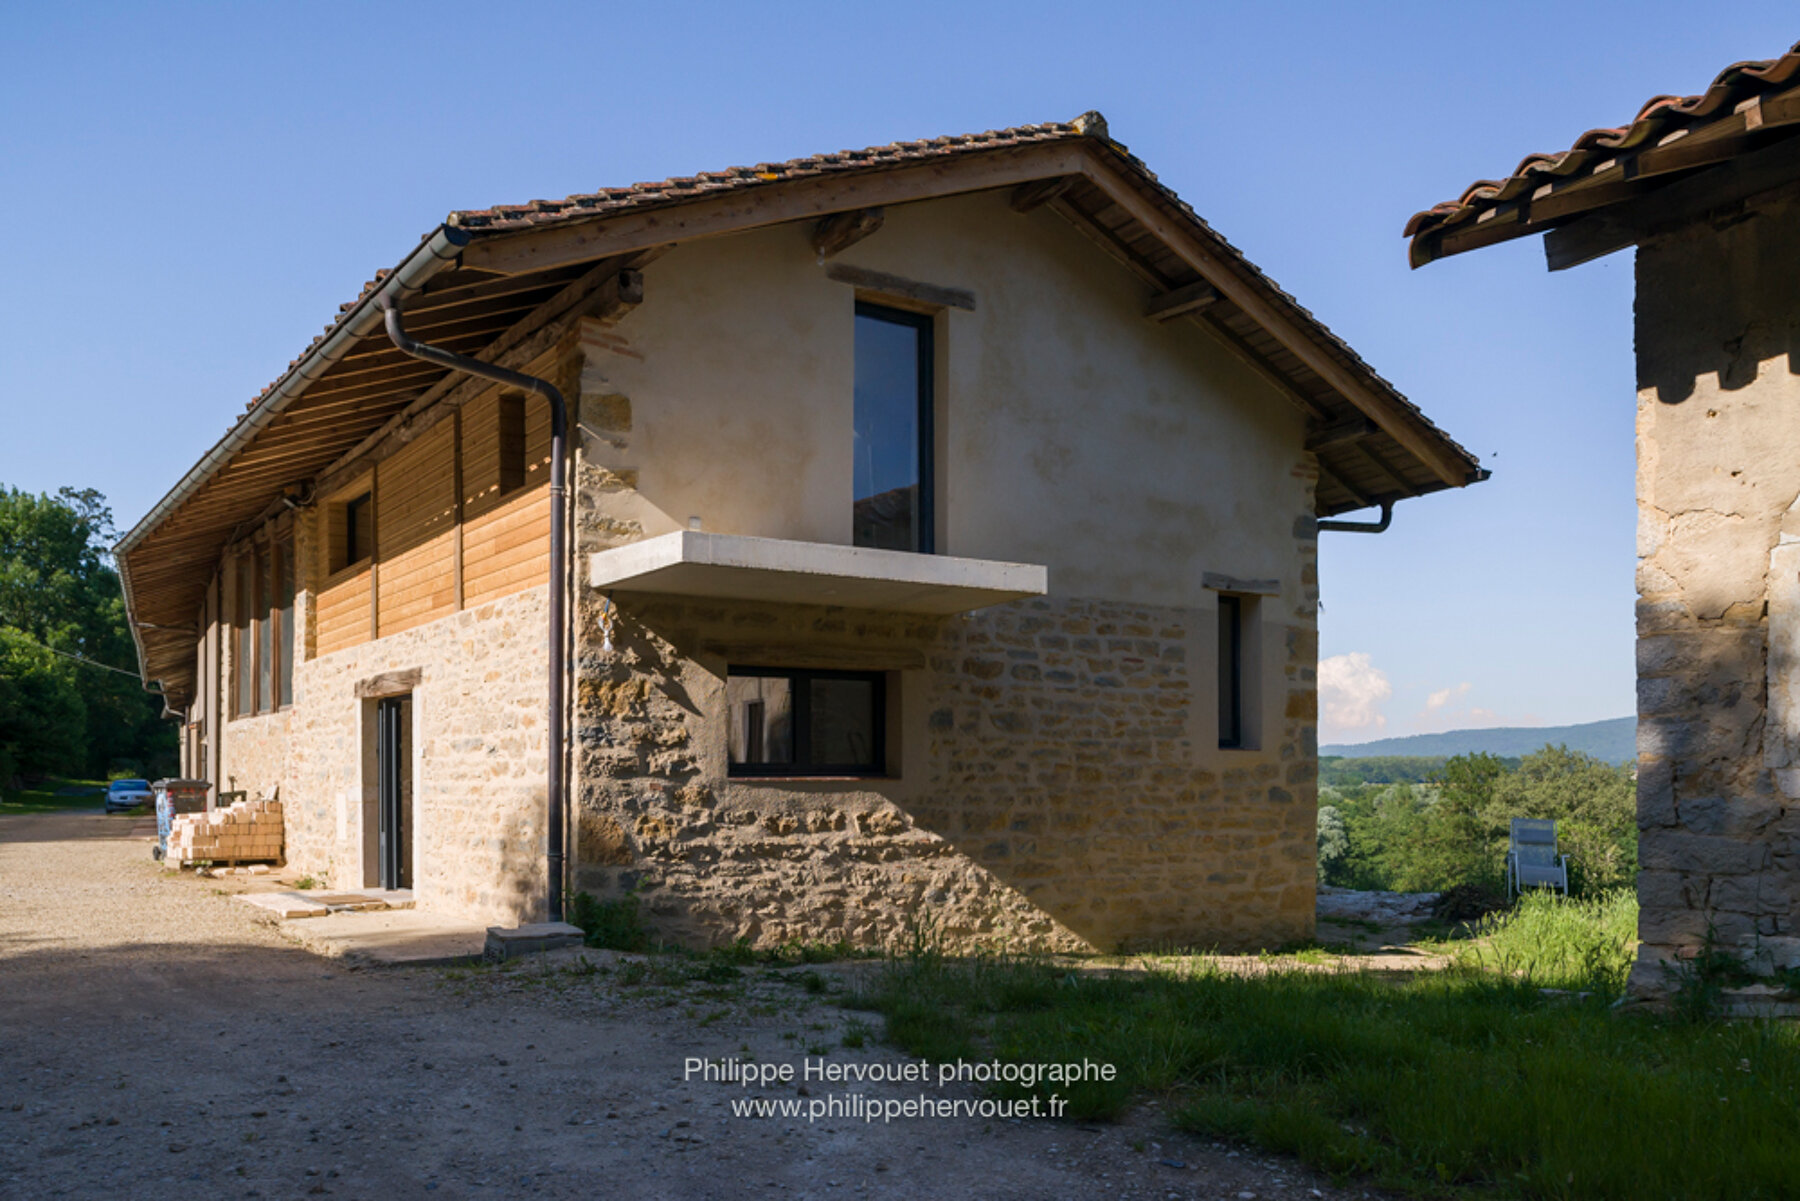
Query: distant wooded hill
(1614, 741)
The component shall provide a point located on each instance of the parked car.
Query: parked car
(128, 794)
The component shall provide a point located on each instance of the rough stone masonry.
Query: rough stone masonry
(1718, 616)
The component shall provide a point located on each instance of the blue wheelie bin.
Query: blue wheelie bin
(172, 797)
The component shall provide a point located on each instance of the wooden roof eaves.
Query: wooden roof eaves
(1226, 272)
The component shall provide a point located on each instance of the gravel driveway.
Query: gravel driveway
(159, 1040)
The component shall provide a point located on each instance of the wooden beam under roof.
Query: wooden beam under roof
(1181, 301)
(1039, 192)
(1728, 184)
(839, 232)
(1387, 411)
(736, 210)
(1336, 433)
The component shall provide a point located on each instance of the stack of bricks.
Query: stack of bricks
(248, 830)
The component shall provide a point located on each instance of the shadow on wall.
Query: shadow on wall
(1719, 299)
(1718, 836)
(1026, 816)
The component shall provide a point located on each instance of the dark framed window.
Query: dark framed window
(263, 649)
(1231, 671)
(284, 623)
(789, 722)
(357, 538)
(510, 434)
(893, 468)
(244, 644)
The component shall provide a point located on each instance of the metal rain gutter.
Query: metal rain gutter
(431, 256)
(559, 555)
(1361, 527)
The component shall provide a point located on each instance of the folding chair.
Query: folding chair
(1531, 858)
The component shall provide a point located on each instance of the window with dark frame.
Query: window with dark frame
(263, 649)
(794, 722)
(244, 644)
(892, 469)
(1231, 671)
(358, 540)
(510, 435)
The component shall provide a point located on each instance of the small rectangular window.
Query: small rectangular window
(511, 437)
(892, 468)
(350, 532)
(1231, 671)
(806, 723)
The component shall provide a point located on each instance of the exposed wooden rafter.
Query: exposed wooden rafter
(1039, 192)
(1182, 301)
(840, 231)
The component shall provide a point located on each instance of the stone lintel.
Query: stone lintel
(1220, 582)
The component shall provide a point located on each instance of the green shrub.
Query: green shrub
(610, 925)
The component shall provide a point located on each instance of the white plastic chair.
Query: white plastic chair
(1531, 858)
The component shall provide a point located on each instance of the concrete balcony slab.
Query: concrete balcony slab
(779, 571)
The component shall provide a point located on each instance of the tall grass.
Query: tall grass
(1467, 1081)
(1558, 942)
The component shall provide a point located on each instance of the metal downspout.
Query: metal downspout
(1361, 527)
(428, 258)
(559, 432)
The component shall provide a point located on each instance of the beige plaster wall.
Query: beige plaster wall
(1718, 320)
(1059, 781)
(1127, 456)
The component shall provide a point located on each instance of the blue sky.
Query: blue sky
(191, 190)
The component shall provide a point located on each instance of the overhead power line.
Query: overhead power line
(78, 658)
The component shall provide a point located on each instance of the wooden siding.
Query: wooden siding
(415, 517)
(506, 535)
(342, 612)
(448, 534)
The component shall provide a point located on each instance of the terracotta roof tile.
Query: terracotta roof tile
(1658, 116)
(504, 219)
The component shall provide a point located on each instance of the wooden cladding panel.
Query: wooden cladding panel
(507, 549)
(504, 531)
(415, 538)
(343, 613)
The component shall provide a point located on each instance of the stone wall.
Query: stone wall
(1718, 314)
(1058, 781)
(256, 756)
(478, 761)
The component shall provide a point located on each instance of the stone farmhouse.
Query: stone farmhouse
(1707, 188)
(941, 534)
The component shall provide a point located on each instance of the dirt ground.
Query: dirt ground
(160, 1040)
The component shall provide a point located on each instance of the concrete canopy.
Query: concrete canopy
(693, 563)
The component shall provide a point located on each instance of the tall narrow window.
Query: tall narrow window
(243, 651)
(1231, 671)
(893, 468)
(512, 441)
(265, 631)
(358, 534)
(284, 621)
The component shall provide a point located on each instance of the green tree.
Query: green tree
(60, 594)
(1594, 805)
(1334, 840)
(43, 722)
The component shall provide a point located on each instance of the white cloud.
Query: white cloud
(1442, 697)
(1351, 690)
